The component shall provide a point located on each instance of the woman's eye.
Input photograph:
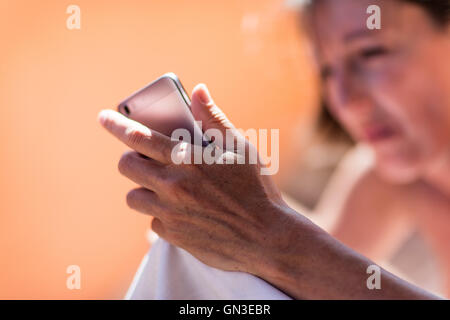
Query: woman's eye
(325, 72)
(373, 52)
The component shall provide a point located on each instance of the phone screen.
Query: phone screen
(163, 106)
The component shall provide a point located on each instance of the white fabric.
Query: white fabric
(168, 272)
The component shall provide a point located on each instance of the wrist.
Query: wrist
(283, 248)
(288, 257)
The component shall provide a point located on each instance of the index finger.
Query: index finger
(137, 136)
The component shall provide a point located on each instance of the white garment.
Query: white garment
(168, 272)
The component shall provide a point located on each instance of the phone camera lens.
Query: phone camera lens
(126, 109)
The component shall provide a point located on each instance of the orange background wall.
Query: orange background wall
(62, 199)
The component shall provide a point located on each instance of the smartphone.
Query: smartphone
(164, 106)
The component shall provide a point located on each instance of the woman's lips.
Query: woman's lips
(378, 133)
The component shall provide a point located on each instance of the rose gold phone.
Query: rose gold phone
(164, 106)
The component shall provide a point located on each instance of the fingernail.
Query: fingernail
(102, 116)
(204, 95)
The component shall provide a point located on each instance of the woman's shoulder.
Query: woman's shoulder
(370, 186)
(356, 183)
(354, 174)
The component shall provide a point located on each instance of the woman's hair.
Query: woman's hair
(439, 11)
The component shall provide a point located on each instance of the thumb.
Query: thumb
(205, 110)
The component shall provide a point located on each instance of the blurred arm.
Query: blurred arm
(359, 209)
(306, 262)
(366, 215)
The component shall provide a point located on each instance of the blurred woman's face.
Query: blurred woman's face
(389, 88)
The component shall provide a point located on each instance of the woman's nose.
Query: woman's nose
(349, 93)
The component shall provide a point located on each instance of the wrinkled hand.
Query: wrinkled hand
(223, 214)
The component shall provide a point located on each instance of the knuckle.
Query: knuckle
(177, 186)
(171, 184)
(135, 137)
(170, 218)
(160, 147)
(124, 162)
(108, 123)
(131, 198)
(183, 186)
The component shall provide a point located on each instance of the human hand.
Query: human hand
(226, 215)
